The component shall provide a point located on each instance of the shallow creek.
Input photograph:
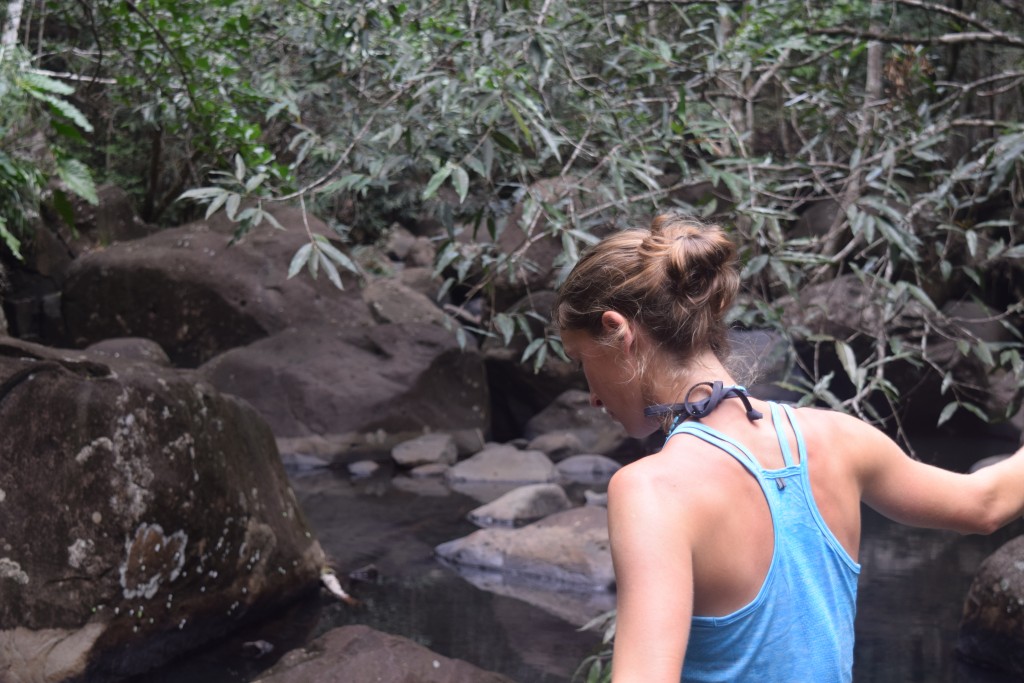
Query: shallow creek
(911, 589)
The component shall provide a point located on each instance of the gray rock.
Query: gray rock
(557, 445)
(398, 378)
(504, 464)
(361, 654)
(429, 449)
(992, 626)
(571, 412)
(523, 505)
(131, 349)
(390, 301)
(435, 469)
(588, 469)
(568, 548)
(196, 294)
(141, 512)
(363, 468)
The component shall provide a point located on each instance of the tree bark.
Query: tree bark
(10, 34)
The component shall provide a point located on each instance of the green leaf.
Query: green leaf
(333, 254)
(299, 259)
(460, 179)
(436, 180)
(36, 82)
(531, 349)
(78, 178)
(64, 107)
(218, 201)
(12, 242)
(506, 326)
(63, 207)
(200, 193)
(506, 142)
(332, 271)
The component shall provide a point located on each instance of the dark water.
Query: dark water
(911, 589)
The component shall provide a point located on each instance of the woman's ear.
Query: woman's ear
(617, 327)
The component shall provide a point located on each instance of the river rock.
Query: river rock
(197, 294)
(557, 445)
(588, 469)
(504, 464)
(568, 548)
(400, 379)
(142, 514)
(992, 626)
(571, 412)
(429, 449)
(131, 349)
(522, 505)
(361, 654)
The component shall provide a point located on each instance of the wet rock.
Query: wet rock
(197, 295)
(363, 468)
(557, 445)
(992, 626)
(568, 548)
(429, 449)
(588, 469)
(131, 349)
(429, 470)
(571, 412)
(142, 514)
(359, 653)
(522, 505)
(401, 379)
(504, 464)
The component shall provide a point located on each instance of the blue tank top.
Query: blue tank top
(799, 627)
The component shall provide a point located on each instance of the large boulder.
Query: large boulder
(197, 293)
(360, 653)
(992, 626)
(402, 378)
(142, 514)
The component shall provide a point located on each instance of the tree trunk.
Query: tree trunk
(10, 34)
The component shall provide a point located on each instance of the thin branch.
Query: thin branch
(990, 38)
(951, 12)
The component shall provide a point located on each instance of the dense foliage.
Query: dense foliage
(875, 140)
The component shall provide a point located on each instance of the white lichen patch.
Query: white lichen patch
(79, 551)
(151, 559)
(9, 569)
(131, 473)
(102, 443)
(3, 495)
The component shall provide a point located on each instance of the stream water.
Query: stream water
(911, 589)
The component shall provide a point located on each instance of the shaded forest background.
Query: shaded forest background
(876, 142)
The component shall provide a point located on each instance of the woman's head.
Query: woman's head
(675, 281)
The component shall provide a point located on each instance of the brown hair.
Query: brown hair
(676, 279)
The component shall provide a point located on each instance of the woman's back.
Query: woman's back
(781, 610)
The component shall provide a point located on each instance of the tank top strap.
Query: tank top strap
(801, 447)
(780, 433)
(721, 441)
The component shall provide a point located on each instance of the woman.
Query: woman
(735, 546)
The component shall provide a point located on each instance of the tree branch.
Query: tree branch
(997, 38)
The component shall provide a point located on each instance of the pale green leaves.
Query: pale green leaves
(317, 253)
(459, 178)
